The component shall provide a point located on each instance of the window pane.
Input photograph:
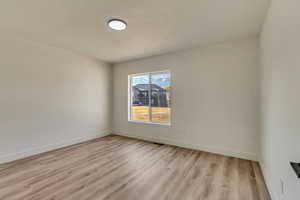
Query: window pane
(160, 97)
(140, 97)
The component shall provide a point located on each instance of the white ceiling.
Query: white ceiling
(154, 26)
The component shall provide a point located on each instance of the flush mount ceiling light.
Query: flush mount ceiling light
(117, 24)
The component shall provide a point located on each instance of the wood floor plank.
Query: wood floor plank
(120, 168)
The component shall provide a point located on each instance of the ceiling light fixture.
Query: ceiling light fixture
(117, 24)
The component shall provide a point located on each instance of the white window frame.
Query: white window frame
(150, 113)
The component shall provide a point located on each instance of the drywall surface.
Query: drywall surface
(280, 63)
(215, 98)
(49, 98)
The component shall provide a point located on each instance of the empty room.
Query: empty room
(149, 100)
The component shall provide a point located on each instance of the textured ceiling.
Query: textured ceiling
(154, 26)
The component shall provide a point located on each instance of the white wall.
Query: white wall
(214, 98)
(280, 62)
(49, 98)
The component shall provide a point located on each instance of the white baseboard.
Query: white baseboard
(243, 155)
(50, 147)
(268, 181)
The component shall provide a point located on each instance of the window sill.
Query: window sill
(152, 123)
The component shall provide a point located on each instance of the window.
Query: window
(149, 97)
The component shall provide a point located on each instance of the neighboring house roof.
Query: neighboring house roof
(146, 87)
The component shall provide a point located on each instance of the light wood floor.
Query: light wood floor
(117, 167)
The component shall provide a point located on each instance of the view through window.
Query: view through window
(150, 97)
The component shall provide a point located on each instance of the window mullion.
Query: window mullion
(150, 107)
(131, 92)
